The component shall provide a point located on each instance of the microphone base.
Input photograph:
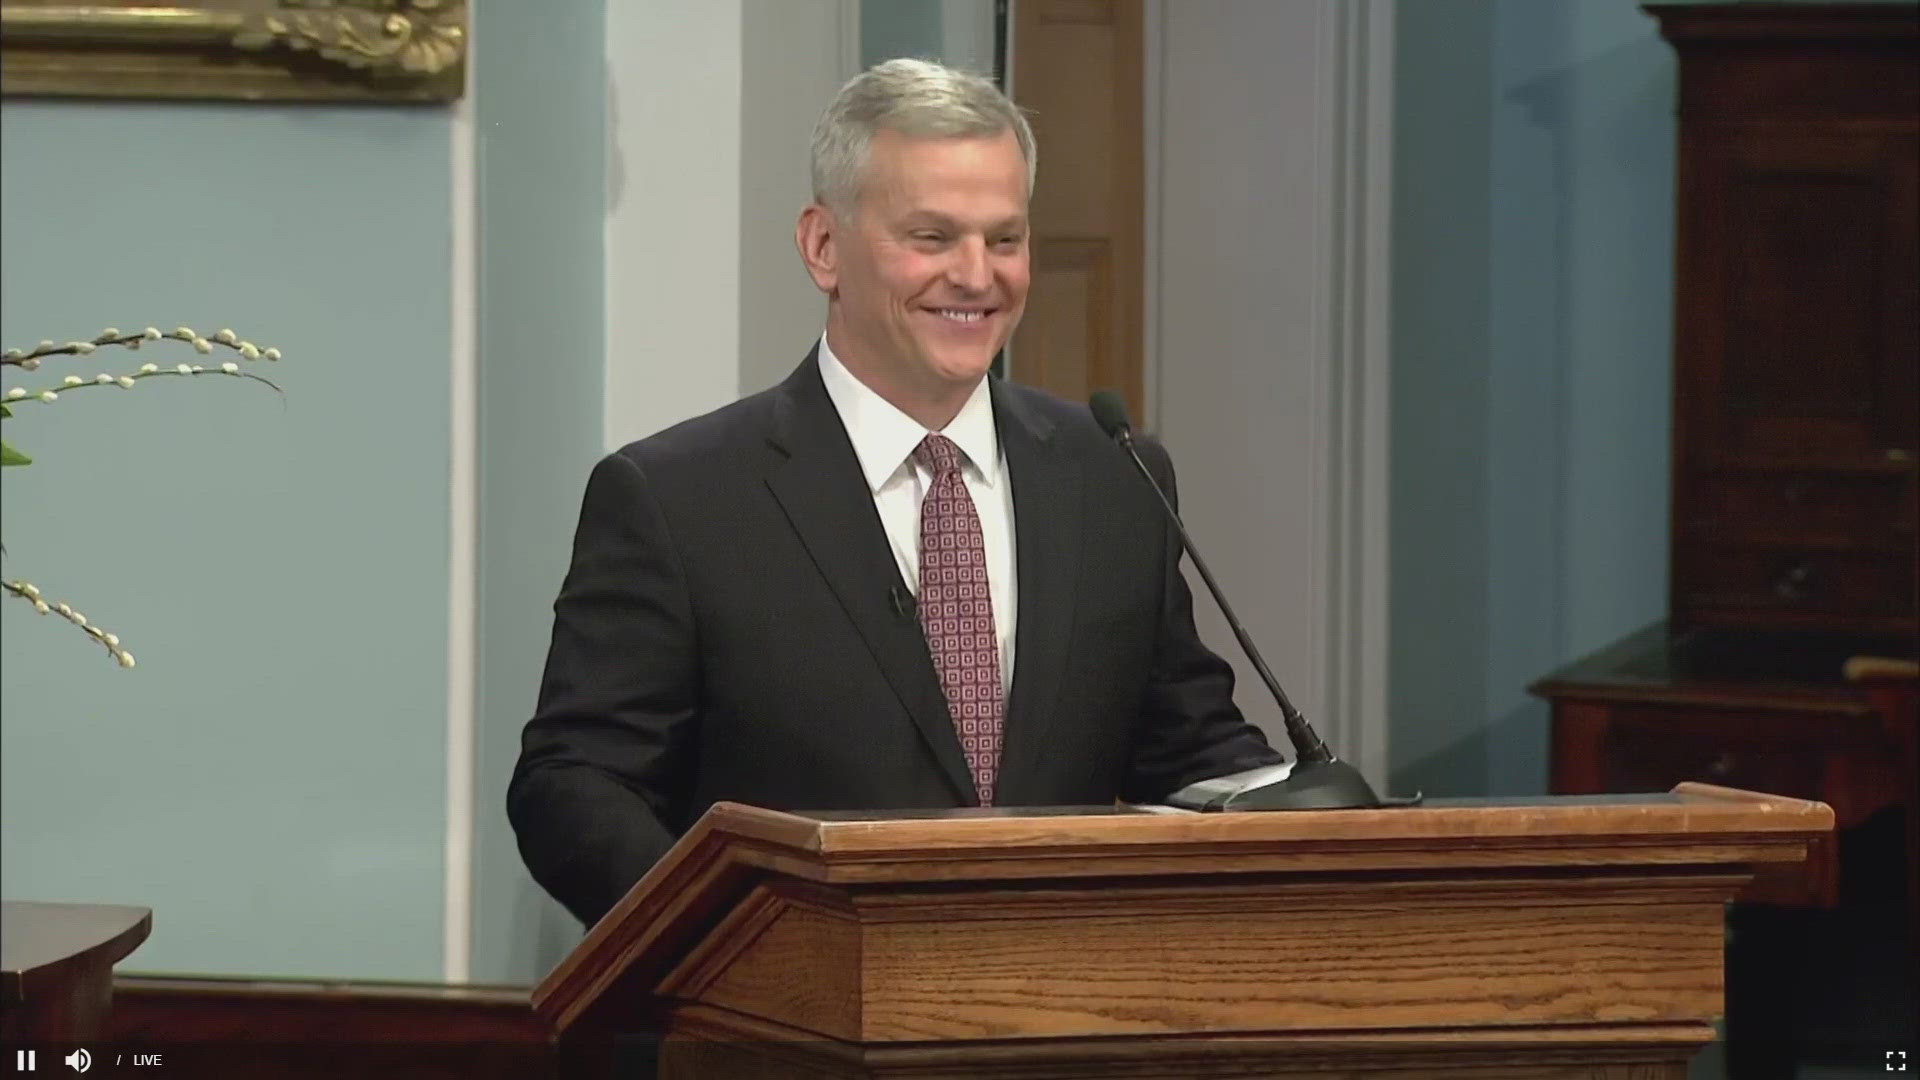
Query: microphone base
(1319, 785)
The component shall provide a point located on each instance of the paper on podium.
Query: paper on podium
(1200, 794)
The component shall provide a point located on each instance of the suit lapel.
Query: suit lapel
(1047, 515)
(824, 494)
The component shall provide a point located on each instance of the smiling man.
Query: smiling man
(924, 262)
(890, 582)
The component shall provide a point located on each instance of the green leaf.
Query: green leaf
(5, 412)
(10, 456)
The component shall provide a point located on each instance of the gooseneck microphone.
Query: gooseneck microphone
(1319, 780)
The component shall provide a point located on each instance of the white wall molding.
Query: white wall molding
(706, 296)
(795, 61)
(849, 16)
(1267, 172)
(672, 236)
(966, 34)
(463, 528)
(1360, 363)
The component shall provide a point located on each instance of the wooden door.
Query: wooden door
(1077, 71)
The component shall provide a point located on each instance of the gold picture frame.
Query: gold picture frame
(236, 50)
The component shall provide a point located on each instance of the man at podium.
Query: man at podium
(891, 581)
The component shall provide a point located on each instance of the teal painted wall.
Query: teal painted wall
(1437, 654)
(1583, 176)
(1532, 246)
(278, 566)
(541, 164)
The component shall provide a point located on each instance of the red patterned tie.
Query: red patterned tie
(956, 611)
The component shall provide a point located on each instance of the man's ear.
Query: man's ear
(817, 237)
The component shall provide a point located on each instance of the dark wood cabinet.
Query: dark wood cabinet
(1796, 464)
(1796, 450)
(1797, 316)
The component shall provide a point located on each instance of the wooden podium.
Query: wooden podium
(1494, 939)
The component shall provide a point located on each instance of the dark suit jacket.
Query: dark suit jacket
(727, 631)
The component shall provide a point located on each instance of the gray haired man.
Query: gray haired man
(891, 581)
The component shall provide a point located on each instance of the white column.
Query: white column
(463, 531)
(710, 111)
(1268, 125)
(796, 59)
(673, 224)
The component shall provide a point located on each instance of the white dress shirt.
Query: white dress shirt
(884, 439)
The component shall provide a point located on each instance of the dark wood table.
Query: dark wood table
(1763, 711)
(56, 967)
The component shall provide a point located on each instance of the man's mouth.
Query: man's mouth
(962, 315)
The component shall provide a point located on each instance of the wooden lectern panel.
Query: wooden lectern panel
(1467, 938)
(1290, 955)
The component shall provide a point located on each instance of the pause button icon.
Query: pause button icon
(23, 1060)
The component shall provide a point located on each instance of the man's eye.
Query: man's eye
(1008, 241)
(928, 237)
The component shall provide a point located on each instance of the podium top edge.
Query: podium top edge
(1688, 808)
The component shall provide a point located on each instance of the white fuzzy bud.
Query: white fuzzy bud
(226, 337)
(184, 369)
(32, 590)
(201, 344)
(13, 354)
(30, 364)
(43, 346)
(103, 379)
(63, 609)
(151, 333)
(271, 354)
(249, 350)
(148, 369)
(78, 619)
(16, 393)
(49, 396)
(111, 640)
(184, 333)
(230, 368)
(41, 607)
(125, 658)
(72, 380)
(81, 348)
(199, 368)
(125, 381)
(108, 334)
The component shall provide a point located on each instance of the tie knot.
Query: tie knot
(937, 454)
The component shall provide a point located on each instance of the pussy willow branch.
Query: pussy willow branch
(27, 591)
(136, 376)
(30, 359)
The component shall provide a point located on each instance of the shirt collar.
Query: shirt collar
(884, 437)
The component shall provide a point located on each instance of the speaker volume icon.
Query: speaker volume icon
(79, 1060)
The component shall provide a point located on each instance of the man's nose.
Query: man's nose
(968, 268)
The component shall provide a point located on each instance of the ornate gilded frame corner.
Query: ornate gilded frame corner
(236, 50)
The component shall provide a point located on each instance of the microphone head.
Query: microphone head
(1110, 412)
